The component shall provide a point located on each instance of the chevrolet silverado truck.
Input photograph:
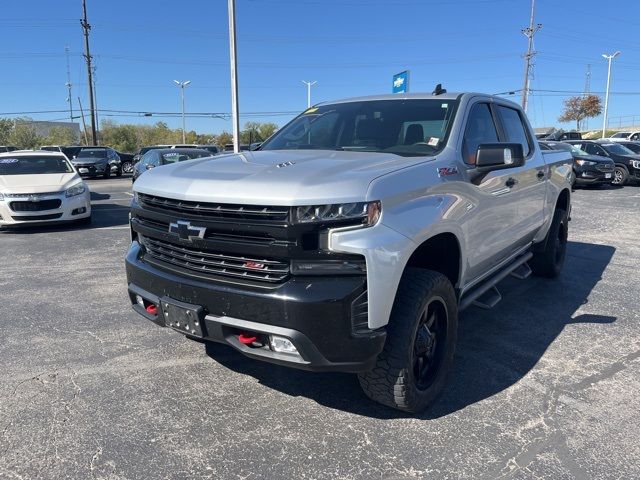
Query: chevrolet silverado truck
(350, 240)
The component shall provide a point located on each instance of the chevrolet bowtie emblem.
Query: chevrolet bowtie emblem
(186, 231)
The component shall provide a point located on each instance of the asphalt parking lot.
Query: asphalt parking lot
(545, 385)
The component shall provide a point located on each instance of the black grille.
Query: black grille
(216, 263)
(35, 206)
(35, 218)
(211, 233)
(605, 167)
(215, 210)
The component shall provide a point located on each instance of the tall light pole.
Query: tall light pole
(606, 97)
(233, 54)
(309, 85)
(87, 55)
(182, 85)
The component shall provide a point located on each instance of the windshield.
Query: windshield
(618, 149)
(403, 127)
(34, 165)
(92, 153)
(181, 156)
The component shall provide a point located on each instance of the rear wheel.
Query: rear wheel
(119, 172)
(127, 167)
(107, 171)
(413, 367)
(548, 259)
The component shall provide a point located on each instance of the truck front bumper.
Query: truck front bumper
(321, 316)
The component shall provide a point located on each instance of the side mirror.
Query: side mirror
(255, 146)
(498, 156)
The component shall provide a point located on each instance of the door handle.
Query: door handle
(511, 182)
(540, 175)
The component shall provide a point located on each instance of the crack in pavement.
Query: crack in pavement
(552, 437)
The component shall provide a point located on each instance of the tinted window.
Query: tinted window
(34, 165)
(514, 129)
(634, 147)
(593, 149)
(92, 153)
(617, 149)
(480, 129)
(402, 127)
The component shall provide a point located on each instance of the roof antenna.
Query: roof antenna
(438, 90)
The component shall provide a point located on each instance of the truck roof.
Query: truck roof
(405, 96)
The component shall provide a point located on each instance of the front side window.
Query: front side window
(514, 128)
(402, 127)
(480, 129)
(34, 165)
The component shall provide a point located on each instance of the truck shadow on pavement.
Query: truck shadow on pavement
(496, 348)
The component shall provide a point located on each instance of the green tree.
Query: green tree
(24, 134)
(61, 136)
(577, 109)
(257, 132)
(224, 138)
(123, 138)
(6, 126)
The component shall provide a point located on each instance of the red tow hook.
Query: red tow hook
(152, 309)
(247, 338)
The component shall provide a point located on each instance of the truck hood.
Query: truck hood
(53, 182)
(274, 177)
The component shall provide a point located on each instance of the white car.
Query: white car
(41, 187)
(625, 136)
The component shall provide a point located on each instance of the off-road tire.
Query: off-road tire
(392, 381)
(548, 258)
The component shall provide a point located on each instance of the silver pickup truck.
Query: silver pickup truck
(350, 239)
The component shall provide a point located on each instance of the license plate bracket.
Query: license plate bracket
(607, 175)
(183, 317)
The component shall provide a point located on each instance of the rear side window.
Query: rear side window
(514, 128)
(480, 129)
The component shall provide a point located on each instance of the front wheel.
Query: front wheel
(620, 176)
(548, 258)
(412, 369)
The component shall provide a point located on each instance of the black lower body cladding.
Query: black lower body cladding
(315, 313)
(592, 176)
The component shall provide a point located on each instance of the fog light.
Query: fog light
(79, 211)
(281, 345)
(140, 301)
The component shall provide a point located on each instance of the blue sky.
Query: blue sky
(351, 47)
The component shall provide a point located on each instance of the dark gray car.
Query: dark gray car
(165, 156)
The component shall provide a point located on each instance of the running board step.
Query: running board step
(476, 295)
(522, 272)
(488, 299)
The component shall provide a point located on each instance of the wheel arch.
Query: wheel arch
(441, 253)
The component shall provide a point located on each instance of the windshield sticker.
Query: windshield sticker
(433, 141)
(171, 154)
(311, 110)
(9, 160)
(444, 105)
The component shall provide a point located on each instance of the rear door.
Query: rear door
(489, 232)
(529, 188)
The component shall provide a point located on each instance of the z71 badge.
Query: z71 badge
(447, 171)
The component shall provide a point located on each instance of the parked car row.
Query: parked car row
(601, 161)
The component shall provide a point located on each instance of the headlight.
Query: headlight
(368, 212)
(77, 189)
(635, 163)
(582, 163)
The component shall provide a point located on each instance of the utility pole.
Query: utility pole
(233, 54)
(606, 98)
(84, 124)
(309, 85)
(182, 85)
(587, 91)
(68, 85)
(87, 55)
(95, 105)
(529, 32)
